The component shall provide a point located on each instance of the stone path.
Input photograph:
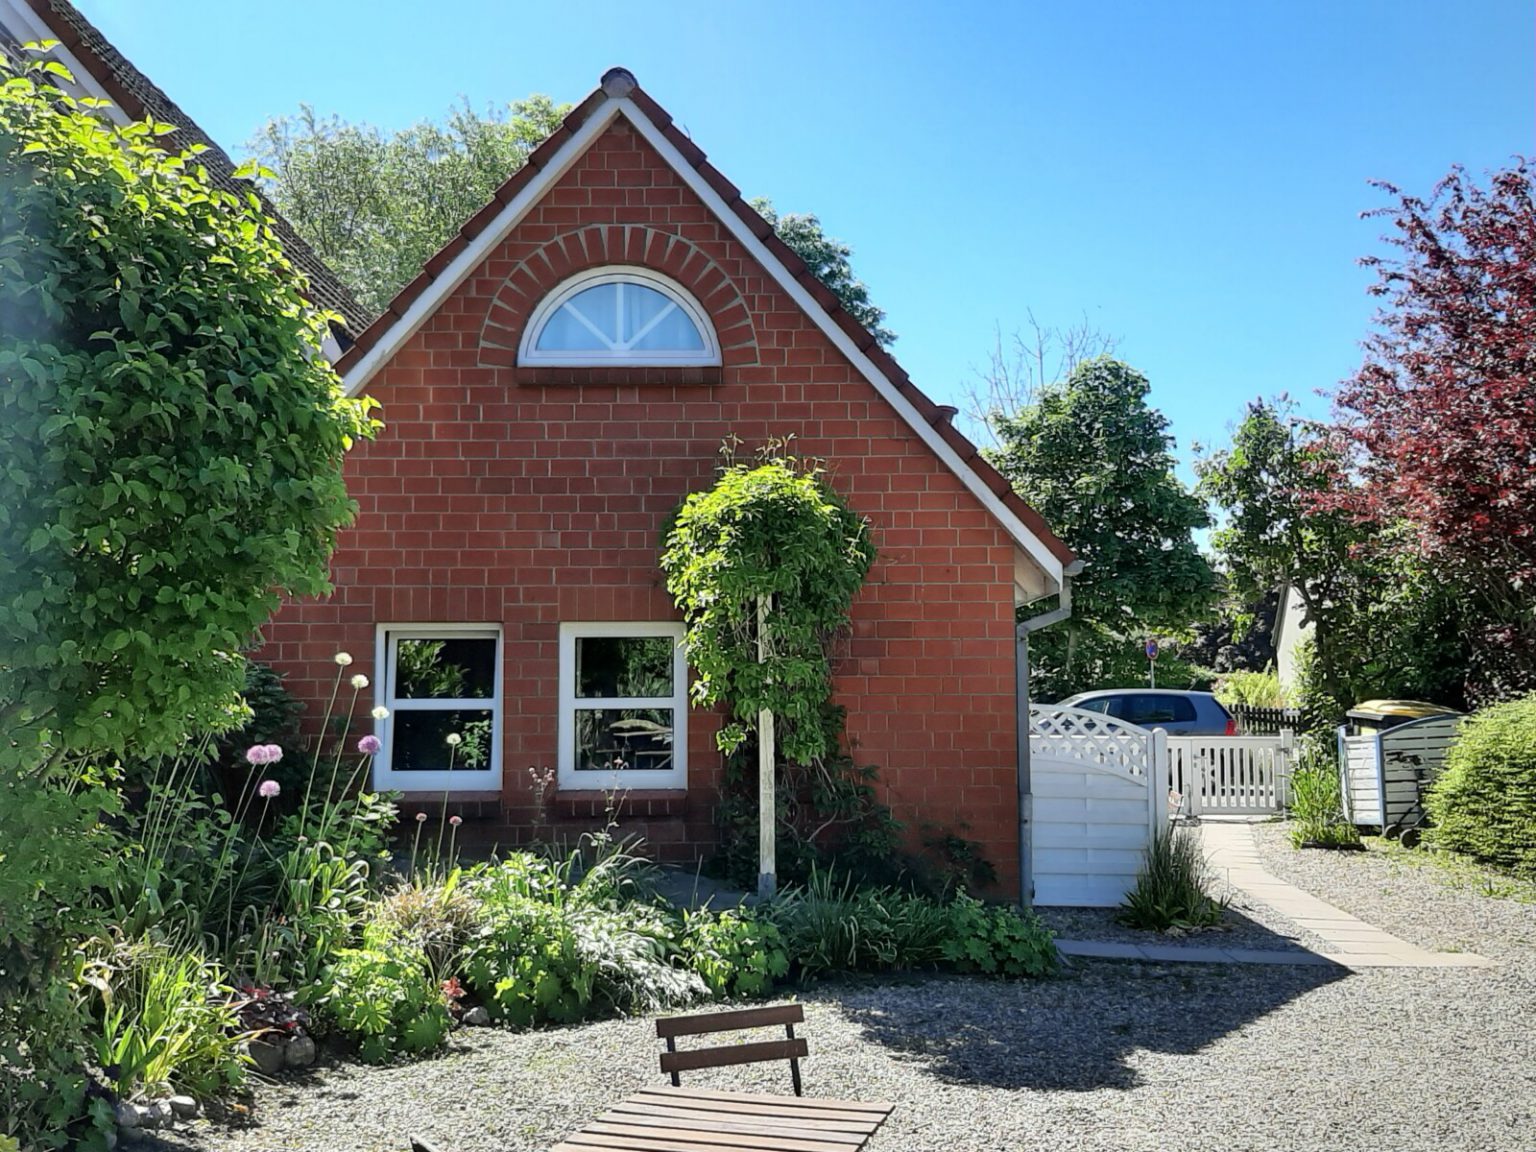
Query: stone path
(1353, 943)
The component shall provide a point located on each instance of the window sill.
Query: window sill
(635, 802)
(563, 375)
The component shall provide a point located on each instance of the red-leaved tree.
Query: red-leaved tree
(1442, 412)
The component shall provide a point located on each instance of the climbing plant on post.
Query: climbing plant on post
(764, 567)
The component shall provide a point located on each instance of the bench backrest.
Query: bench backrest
(669, 1028)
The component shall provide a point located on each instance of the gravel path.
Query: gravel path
(1130, 1057)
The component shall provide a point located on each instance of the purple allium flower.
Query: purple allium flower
(257, 754)
(268, 789)
(455, 820)
(369, 745)
(421, 817)
(274, 753)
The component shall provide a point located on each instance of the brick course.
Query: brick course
(528, 497)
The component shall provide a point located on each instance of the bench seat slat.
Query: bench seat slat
(878, 1106)
(773, 1139)
(833, 1123)
(592, 1142)
(735, 1021)
(729, 1054)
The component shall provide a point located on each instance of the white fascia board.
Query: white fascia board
(1016, 528)
(447, 281)
(28, 27)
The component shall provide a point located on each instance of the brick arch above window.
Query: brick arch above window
(602, 245)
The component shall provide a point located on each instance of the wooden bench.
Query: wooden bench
(669, 1028)
(697, 1120)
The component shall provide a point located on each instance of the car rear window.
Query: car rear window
(1144, 709)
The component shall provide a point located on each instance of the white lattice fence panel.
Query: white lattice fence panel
(1074, 734)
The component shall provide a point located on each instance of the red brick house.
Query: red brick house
(553, 384)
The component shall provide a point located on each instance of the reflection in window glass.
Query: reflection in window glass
(632, 667)
(459, 669)
(420, 742)
(623, 739)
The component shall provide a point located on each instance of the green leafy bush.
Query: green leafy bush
(1171, 891)
(995, 940)
(1255, 689)
(1317, 806)
(1484, 803)
(433, 917)
(166, 1020)
(561, 942)
(736, 953)
(387, 1000)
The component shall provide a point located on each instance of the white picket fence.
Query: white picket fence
(1230, 775)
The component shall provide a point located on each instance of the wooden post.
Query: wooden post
(767, 797)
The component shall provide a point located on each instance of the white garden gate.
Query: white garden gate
(1230, 775)
(1099, 789)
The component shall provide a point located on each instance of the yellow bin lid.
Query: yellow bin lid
(1398, 709)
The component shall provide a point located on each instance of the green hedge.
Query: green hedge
(1484, 803)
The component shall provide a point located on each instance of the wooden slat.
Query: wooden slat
(728, 1054)
(821, 1120)
(766, 1098)
(593, 1142)
(835, 1132)
(734, 1021)
(768, 1137)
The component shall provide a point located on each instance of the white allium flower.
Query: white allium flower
(381, 713)
(343, 658)
(454, 739)
(359, 681)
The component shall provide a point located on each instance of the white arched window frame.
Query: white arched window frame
(613, 336)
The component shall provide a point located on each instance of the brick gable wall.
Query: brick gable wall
(528, 497)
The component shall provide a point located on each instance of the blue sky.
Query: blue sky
(1188, 176)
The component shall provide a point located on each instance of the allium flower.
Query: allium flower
(343, 658)
(381, 713)
(421, 817)
(455, 820)
(359, 681)
(256, 754)
(454, 739)
(274, 753)
(369, 745)
(268, 789)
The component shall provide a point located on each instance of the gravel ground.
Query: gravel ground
(1130, 1057)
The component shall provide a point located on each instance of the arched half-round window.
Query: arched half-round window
(619, 316)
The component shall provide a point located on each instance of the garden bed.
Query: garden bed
(1242, 926)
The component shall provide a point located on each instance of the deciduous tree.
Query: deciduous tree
(1442, 413)
(1096, 460)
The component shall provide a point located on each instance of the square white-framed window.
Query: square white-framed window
(439, 682)
(623, 706)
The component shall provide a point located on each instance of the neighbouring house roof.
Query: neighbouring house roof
(620, 95)
(101, 70)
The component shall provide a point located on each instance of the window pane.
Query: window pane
(624, 667)
(623, 739)
(420, 740)
(564, 333)
(1144, 710)
(641, 306)
(1183, 710)
(463, 669)
(673, 333)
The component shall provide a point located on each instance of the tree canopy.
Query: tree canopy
(832, 262)
(1442, 413)
(1095, 459)
(376, 206)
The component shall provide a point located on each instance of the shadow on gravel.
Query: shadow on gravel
(1079, 1032)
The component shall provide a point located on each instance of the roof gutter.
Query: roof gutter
(1022, 632)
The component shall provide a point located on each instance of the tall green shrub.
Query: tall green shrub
(1484, 803)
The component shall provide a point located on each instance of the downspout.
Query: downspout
(1022, 632)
